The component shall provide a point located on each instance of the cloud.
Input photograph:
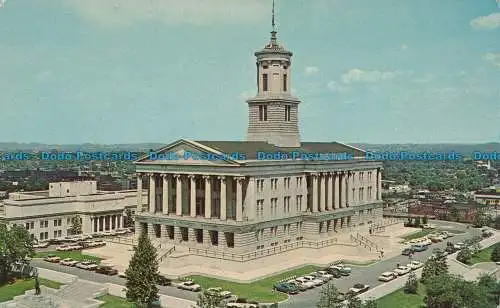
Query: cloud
(311, 70)
(403, 47)
(358, 75)
(2, 3)
(425, 79)
(492, 58)
(115, 13)
(491, 21)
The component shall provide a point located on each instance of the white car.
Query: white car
(359, 288)
(87, 265)
(387, 276)
(304, 282)
(314, 280)
(414, 265)
(189, 286)
(68, 262)
(324, 275)
(63, 248)
(459, 246)
(41, 245)
(402, 270)
(75, 247)
(341, 267)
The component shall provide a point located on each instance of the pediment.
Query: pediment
(187, 152)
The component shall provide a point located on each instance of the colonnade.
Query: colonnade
(106, 223)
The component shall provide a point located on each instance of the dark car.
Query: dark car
(334, 272)
(407, 251)
(359, 288)
(286, 288)
(163, 281)
(106, 270)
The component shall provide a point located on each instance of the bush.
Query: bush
(464, 255)
(411, 285)
(274, 305)
(424, 220)
(495, 254)
(241, 300)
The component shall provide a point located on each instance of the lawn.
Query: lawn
(418, 234)
(75, 255)
(399, 299)
(483, 255)
(260, 291)
(9, 291)
(111, 301)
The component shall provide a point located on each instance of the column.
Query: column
(322, 196)
(353, 190)
(329, 203)
(178, 195)
(152, 192)
(250, 202)
(344, 189)
(379, 184)
(314, 192)
(192, 210)
(336, 197)
(119, 221)
(208, 196)
(139, 193)
(222, 197)
(165, 193)
(303, 206)
(348, 188)
(341, 189)
(239, 198)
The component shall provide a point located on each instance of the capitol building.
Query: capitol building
(242, 206)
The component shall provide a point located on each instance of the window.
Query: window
(260, 208)
(298, 204)
(265, 83)
(260, 185)
(288, 113)
(274, 184)
(286, 183)
(285, 82)
(57, 222)
(286, 204)
(44, 224)
(262, 113)
(274, 205)
(27, 226)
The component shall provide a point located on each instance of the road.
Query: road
(362, 274)
(369, 274)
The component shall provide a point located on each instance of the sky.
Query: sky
(130, 71)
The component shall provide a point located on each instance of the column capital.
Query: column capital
(239, 178)
(207, 177)
(164, 175)
(221, 177)
(313, 174)
(151, 174)
(139, 174)
(177, 175)
(191, 176)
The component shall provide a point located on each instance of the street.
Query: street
(360, 274)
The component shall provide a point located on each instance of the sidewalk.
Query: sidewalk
(112, 289)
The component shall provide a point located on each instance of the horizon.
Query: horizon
(95, 72)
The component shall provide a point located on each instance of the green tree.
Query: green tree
(128, 220)
(496, 223)
(16, 244)
(436, 266)
(209, 300)
(330, 297)
(370, 304)
(76, 225)
(417, 221)
(495, 254)
(142, 273)
(354, 302)
(464, 255)
(411, 285)
(424, 220)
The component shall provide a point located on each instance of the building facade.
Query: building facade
(273, 189)
(49, 214)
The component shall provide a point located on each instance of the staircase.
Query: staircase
(83, 292)
(364, 241)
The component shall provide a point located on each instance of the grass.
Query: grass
(75, 255)
(111, 301)
(259, 291)
(399, 299)
(418, 234)
(9, 291)
(483, 255)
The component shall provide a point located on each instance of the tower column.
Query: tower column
(322, 192)
(336, 197)
(178, 194)
(344, 189)
(192, 210)
(208, 196)
(239, 198)
(166, 192)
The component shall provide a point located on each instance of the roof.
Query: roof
(250, 148)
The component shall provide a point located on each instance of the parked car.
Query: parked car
(242, 305)
(68, 262)
(334, 272)
(316, 281)
(106, 270)
(52, 259)
(298, 285)
(407, 251)
(189, 286)
(163, 281)
(308, 284)
(343, 270)
(359, 288)
(419, 247)
(402, 270)
(324, 275)
(459, 246)
(63, 248)
(87, 265)
(387, 276)
(287, 288)
(414, 265)
(122, 275)
(41, 245)
(75, 247)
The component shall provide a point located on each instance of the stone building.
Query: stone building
(271, 190)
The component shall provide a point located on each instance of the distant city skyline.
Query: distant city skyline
(131, 71)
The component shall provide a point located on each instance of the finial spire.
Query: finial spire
(272, 23)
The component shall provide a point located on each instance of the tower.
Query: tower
(273, 113)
